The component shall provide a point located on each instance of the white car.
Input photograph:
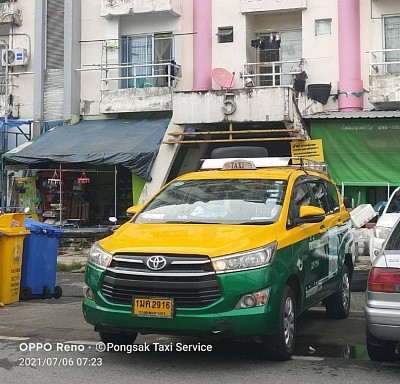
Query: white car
(382, 307)
(385, 223)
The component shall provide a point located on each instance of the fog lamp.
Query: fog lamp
(88, 293)
(255, 299)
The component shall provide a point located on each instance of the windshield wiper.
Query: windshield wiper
(189, 222)
(254, 222)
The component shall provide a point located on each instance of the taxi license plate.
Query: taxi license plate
(153, 307)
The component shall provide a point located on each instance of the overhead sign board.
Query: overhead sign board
(309, 149)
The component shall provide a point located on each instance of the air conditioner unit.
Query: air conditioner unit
(14, 57)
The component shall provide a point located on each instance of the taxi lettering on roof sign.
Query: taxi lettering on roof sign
(240, 248)
(239, 164)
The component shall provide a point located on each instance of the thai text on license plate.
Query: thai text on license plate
(152, 307)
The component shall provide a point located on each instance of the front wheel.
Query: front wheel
(280, 346)
(338, 305)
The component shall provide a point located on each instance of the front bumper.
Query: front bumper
(219, 319)
(235, 323)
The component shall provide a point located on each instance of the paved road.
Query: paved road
(55, 318)
(328, 351)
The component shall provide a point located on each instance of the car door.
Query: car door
(326, 258)
(308, 243)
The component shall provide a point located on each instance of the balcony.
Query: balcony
(384, 79)
(251, 6)
(10, 13)
(271, 73)
(110, 8)
(141, 87)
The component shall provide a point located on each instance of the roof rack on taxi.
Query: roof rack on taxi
(308, 164)
(264, 162)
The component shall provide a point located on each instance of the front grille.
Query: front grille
(189, 280)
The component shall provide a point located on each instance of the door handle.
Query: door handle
(322, 229)
(339, 222)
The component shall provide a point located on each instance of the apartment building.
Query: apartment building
(152, 87)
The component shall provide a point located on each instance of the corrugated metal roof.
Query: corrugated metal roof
(367, 114)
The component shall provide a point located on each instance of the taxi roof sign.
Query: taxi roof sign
(238, 164)
(264, 162)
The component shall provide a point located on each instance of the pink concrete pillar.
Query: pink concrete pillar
(349, 56)
(202, 45)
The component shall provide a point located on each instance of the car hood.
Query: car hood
(387, 220)
(196, 239)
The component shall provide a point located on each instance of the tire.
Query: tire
(379, 350)
(120, 338)
(359, 280)
(57, 292)
(280, 346)
(338, 305)
(26, 293)
(46, 294)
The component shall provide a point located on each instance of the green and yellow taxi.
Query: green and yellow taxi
(238, 249)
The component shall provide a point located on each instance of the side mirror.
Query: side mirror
(381, 209)
(310, 214)
(134, 209)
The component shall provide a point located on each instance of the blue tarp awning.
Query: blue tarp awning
(130, 143)
(12, 123)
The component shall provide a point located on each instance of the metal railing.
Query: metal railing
(271, 74)
(384, 62)
(146, 75)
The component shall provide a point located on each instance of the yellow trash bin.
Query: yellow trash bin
(11, 247)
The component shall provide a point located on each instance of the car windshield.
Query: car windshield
(394, 203)
(221, 201)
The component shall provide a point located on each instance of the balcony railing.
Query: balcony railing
(249, 6)
(384, 62)
(147, 75)
(271, 74)
(128, 7)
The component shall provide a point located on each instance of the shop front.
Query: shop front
(81, 175)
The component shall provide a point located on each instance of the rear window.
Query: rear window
(224, 201)
(393, 242)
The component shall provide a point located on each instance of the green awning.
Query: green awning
(363, 152)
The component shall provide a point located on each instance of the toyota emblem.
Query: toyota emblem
(156, 263)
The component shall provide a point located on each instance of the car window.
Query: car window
(333, 197)
(224, 201)
(393, 242)
(394, 204)
(319, 194)
(301, 196)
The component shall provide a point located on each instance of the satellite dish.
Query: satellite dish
(223, 77)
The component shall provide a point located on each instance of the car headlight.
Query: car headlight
(381, 232)
(98, 256)
(255, 258)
